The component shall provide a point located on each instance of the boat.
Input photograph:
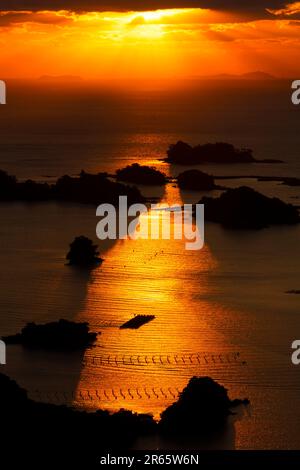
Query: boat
(137, 321)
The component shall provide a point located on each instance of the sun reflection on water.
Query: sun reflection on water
(157, 277)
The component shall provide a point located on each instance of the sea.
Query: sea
(222, 311)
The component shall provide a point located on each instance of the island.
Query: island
(284, 180)
(61, 433)
(196, 180)
(66, 434)
(141, 174)
(202, 409)
(86, 188)
(83, 253)
(182, 153)
(55, 336)
(137, 321)
(221, 153)
(245, 208)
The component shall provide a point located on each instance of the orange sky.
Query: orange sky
(167, 43)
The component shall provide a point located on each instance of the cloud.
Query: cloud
(64, 12)
(10, 18)
(218, 36)
(250, 8)
(290, 10)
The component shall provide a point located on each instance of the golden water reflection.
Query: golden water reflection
(144, 369)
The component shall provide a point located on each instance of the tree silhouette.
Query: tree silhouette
(83, 252)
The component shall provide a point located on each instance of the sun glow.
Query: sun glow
(160, 14)
(176, 43)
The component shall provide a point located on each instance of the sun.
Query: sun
(159, 14)
(150, 24)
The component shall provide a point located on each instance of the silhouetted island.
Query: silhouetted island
(285, 180)
(83, 253)
(137, 321)
(202, 408)
(245, 208)
(182, 153)
(196, 180)
(39, 429)
(60, 335)
(141, 174)
(86, 188)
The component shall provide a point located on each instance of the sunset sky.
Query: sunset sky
(117, 39)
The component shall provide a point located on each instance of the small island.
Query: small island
(284, 180)
(86, 188)
(182, 153)
(141, 174)
(83, 253)
(71, 433)
(137, 321)
(245, 208)
(196, 180)
(55, 336)
(202, 409)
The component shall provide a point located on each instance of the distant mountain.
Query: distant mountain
(257, 76)
(245, 76)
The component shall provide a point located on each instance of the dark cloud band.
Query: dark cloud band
(252, 7)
